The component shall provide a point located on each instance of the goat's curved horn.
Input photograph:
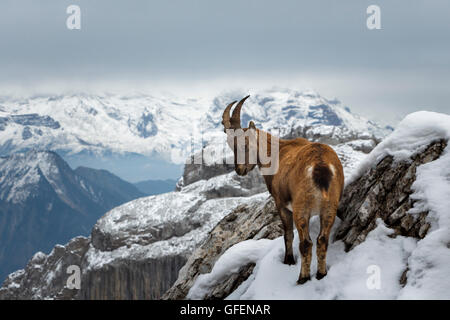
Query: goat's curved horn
(236, 117)
(226, 116)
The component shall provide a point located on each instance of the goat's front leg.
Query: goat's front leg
(302, 222)
(288, 226)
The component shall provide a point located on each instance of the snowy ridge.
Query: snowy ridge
(139, 215)
(19, 173)
(166, 224)
(209, 212)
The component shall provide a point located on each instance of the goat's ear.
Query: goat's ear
(251, 125)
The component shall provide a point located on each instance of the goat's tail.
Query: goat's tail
(322, 176)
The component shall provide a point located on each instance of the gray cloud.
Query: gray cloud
(321, 44)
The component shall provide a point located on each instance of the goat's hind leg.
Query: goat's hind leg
(327, 216)
(301, 218)
(288, 226)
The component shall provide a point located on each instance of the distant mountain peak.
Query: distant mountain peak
(21, 172)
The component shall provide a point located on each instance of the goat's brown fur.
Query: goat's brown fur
(309, 180)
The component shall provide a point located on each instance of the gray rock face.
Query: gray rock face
(32, 119)
(46, 275)
(131, 279)
(382, 192)
(196, 172)
(26, 133)
(146, 126)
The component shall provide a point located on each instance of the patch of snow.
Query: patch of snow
(347, 275)
(13, 278)
(230, 262)
(412, 135)
(39, 257)
(429, 271)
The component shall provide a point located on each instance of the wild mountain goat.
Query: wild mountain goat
(308, 179)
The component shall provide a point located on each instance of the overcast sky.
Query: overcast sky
(196, 46)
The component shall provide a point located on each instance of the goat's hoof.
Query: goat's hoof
(289, 260)
(320, 275)
(303, 280)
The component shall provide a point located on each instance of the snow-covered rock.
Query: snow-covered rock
(45, 276)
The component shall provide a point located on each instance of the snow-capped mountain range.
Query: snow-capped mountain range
(148, 124)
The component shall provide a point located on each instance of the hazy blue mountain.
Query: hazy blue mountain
(114, 191)
(152, 187)
(44, 202)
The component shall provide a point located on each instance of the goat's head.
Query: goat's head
(243, 141)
